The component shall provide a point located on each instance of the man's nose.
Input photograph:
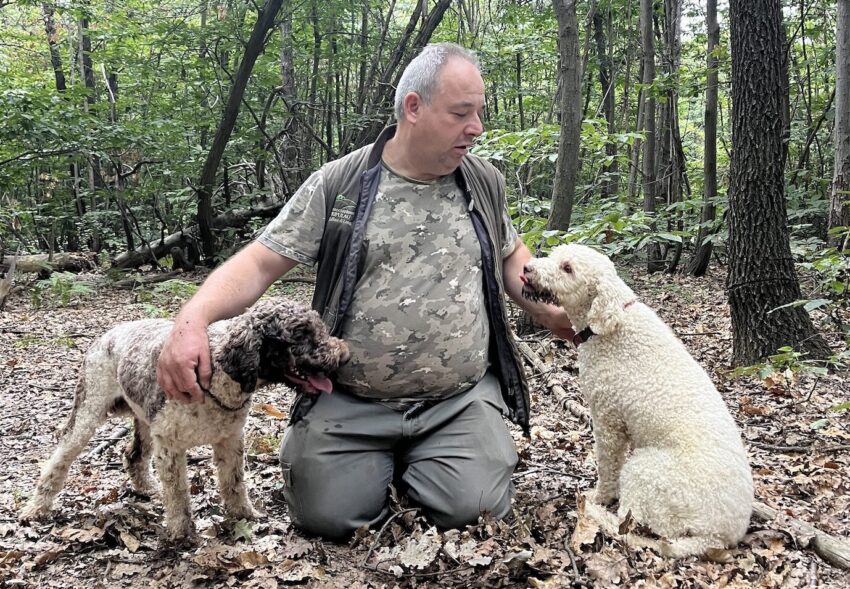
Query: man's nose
(475, 126)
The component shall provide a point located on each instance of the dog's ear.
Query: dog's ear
(606, 313)
(240, 354)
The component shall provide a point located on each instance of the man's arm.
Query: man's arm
(550, 316)
(184, 364)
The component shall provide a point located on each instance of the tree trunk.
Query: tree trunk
(379, 106)
(672, 172)
(265, 20)
(839, 209)
(55, 59)
(566, 169)
(606, 85)
(702, 253)
(761, 276)
(654, 263)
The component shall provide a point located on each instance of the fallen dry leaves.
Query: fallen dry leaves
(103, 535)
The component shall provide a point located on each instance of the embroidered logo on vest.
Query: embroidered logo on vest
(343, 211)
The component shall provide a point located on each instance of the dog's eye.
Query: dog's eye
(566, 267)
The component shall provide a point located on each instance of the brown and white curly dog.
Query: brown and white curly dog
(666, 446)
(273, 341)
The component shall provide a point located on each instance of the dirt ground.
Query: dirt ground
(103, 535)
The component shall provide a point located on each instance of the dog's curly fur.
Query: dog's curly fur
(274, 338)
(687, 476)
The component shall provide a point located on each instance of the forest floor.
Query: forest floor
(102, 535)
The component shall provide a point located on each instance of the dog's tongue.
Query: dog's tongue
(321, 383)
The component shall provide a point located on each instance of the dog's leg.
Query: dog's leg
(137, 458)
(91, 405)
(611, 444)
(230, 466)
(171, 469)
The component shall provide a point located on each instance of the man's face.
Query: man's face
(444, 130)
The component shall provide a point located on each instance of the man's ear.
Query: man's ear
(412, 106)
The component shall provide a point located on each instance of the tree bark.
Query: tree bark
(609, 170)
(265, 20)
(566, 168)
(761, 275)
(702, 252)
(66, 262)
(55, 59)
(654, 263)
(839, 209)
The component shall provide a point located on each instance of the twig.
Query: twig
(378, 537)
(698, 334)
(577, 409)
(764, 446)
(116, 435)
(577, 579)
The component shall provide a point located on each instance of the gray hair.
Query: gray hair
(421, 74)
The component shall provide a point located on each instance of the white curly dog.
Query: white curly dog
(666, 446)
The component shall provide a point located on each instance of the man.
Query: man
(414, 251)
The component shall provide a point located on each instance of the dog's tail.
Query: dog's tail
(79, 397)
(679, 547)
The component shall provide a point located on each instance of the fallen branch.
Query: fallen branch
(158, 249)
(142, 280)
(575, 408)
(66, 262)
(118, 433)
(835, 551)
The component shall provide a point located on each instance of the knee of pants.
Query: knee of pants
(465, 511)
(330, 506)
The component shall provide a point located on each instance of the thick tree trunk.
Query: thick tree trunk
(839, 209)
(654, 263)
(566, 168)
(601, 27)
(702, 253)
(265, 20)
(672, 171)
(47, 12)
(761, 276)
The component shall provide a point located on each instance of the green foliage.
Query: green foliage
(60, 289)
(170, 292)
(786, 360)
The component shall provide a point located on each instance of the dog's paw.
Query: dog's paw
(147, 489)
(181, 533)
(246, 512)
(33, 511)
(602, 496)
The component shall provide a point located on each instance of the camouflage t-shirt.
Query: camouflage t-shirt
(417, 326)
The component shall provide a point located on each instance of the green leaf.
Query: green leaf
(242, 530)
(816, 304)
(819, 424)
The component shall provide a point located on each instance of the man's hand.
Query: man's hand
(550, 316)
(184, 367)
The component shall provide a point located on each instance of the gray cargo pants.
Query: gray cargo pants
(454, 458)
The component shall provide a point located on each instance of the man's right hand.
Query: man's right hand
(184, 368)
